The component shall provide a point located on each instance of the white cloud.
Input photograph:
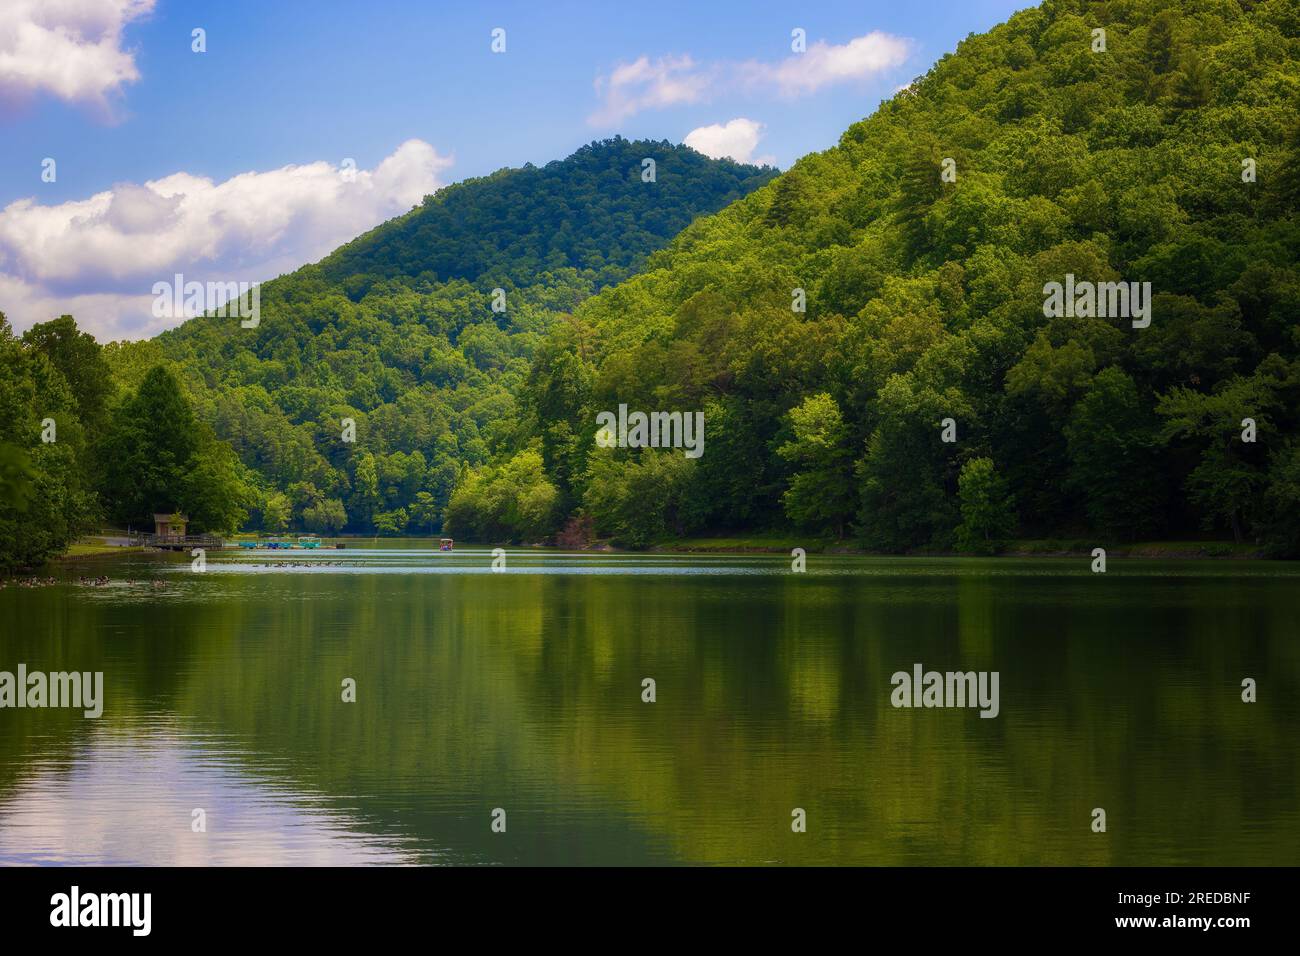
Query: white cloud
(825, 64)
(669, 81)
(99, 257)
(736, 139)
(645, 84)
(71, 49)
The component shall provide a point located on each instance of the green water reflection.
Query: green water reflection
(522, 690)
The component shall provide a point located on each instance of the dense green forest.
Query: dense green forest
(867, 334)
(402, 333)
(76, 449)
(46, 418)
(395, 332)
(1171, 156)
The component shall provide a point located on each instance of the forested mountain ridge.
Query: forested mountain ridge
(402, 332)
(519, 224)
(1135, 141)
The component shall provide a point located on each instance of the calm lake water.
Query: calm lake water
(522, 690)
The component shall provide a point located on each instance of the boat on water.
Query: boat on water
(267, 544)
(308, 542)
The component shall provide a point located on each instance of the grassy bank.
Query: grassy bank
(758, 542)
(94, 548)
(1139, 549)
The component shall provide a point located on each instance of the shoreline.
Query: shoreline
(87, 552)
(1180, 550)
(1191, 550)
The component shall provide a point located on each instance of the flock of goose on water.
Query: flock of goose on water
(104, 579)
(84, 581)
(27, 582)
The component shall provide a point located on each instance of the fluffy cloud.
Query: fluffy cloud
(71, 49)
(671, 81)
(736, 139)
(825, 64)
(98, 258)
(648, 84)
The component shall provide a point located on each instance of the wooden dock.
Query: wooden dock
(177, 542)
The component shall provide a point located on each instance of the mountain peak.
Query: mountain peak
(600, 210)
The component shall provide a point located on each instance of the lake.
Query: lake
(522, 691)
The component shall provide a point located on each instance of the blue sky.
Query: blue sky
(114, 94)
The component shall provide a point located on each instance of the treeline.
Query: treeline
(77, 451)
(1166, 150)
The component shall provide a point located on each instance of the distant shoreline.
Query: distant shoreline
(1181, 550)
(1211, 550)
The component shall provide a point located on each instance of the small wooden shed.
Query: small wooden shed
(170, 525)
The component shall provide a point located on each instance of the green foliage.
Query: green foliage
(148, 450)
(157, 458)
(396, 331)
(1281, 504)
(636, 499)
(16, 478)
(518, 224)
(513, 501)
(1113, 448)
(46, 498)
(80, 361)
(1230, 473)
(391, 522)
(907, 469)
(820, 493)
(325, 516)
(425, 514)
(924, 301)
(276, 511)
(213, 491)
(988, 516)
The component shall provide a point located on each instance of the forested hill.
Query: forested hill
(397, 332)
(1142, 141)
(585, 212)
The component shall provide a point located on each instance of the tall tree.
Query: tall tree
(988, 512)
(157, 458)
(81, 362)
(820, 495)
